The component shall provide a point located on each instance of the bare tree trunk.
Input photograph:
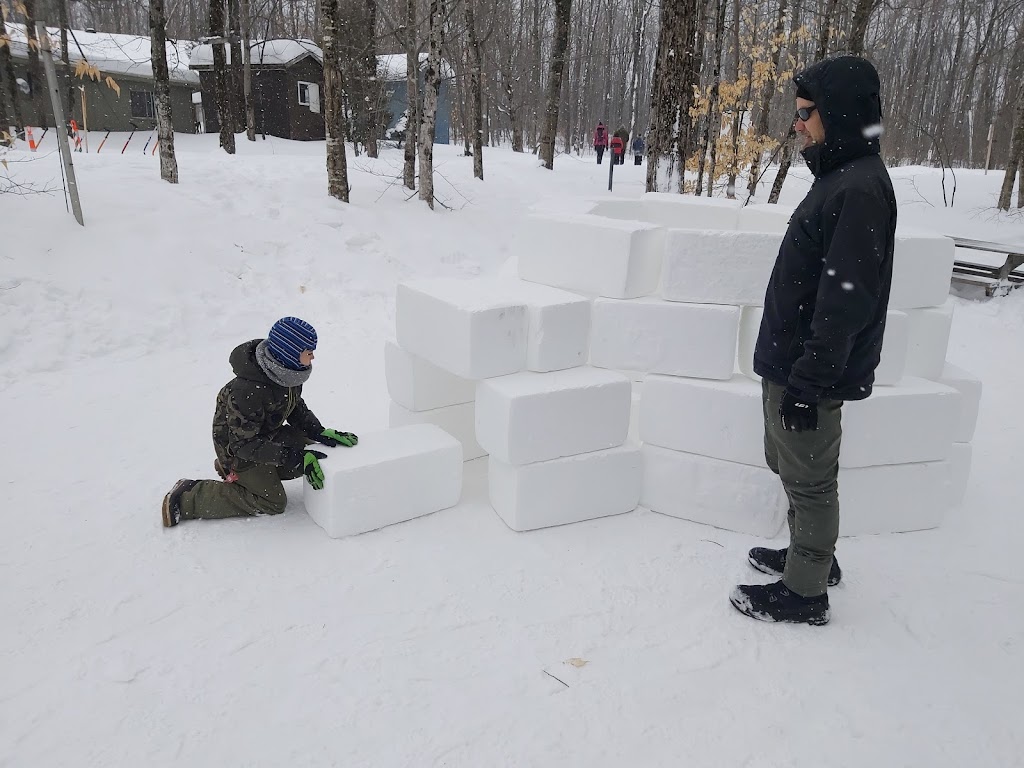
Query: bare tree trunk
(35, 66)
(334, 117)
(730, 188)
(371, 95)
(824, 34)
(665, 94)
(1016, 154)
(563, 9)
(250, 109)
(714, 127)
(220, 79)
(764, 107)
(431, 83)
(861, 17)
(235, 68)
(475, 93)
(411, 95)
(161, 78)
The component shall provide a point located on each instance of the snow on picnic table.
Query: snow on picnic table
(448, 640)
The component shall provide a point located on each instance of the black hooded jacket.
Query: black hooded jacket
(824, 310)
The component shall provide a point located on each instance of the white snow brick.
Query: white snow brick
(471, 328)
(528, 417)
(558, 332)
(969, 388)
(592, 255)
(750, 327)
(709, 267)
(928, 340)
(634, 413)
(391, 476)
(566, 490)
(419, 385)
(665, 337)
(894, 499)
(720, 419)
(673, 211)
(921, 270)
(912, 422)
(764, 217)
(736, 497)
(459, 421)
(960, 474)
(893, 362)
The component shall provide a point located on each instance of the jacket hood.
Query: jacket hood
(846, 91)
(243, 362)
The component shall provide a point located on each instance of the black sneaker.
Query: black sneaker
(773, 562)
(171, 509)
(773, 602)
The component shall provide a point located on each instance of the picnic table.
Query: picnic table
(997, 279)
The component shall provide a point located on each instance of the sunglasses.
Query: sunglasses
(804, 113)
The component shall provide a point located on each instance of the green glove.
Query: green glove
(332, 437)
(311, 468)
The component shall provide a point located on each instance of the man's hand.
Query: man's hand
(797, 415)
(332, 437)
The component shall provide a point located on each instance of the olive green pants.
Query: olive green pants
(257, 491)
(808, 464)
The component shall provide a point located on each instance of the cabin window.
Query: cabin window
(143, 105)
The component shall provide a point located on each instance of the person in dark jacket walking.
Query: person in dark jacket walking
(821, 334)
(638, 150)
(600, 141)
(261, 427)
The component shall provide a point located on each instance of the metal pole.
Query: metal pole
(988, 154)
(611, 168)
(58, 116)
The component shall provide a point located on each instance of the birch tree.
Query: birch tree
(412, 100)
(334, 118)
(161, 78)
(431, 84)
(563, 10)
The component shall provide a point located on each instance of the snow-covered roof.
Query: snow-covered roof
(392, 67)
(267, 53)
(112, 54)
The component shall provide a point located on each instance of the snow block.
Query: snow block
(418, 385)
(960, 474)
(750, 327)
(459, 421)
(566, 490)
(633, 436)
(921, 269)
(558, 332)
(528, 417)
(709, 267)
(894, 499)
(719, 419)
(665, 337)
(969, 388)
(390, 477)
(912, 422)
(928, 340)
(673, 211)
(471, 328)
(764, 217)
(736, 497)
(893, 363)
(592, 255)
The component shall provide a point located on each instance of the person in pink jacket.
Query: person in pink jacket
(600, 141)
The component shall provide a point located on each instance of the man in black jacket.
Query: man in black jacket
(821, 335)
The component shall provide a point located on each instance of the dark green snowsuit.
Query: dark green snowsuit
(256, 425)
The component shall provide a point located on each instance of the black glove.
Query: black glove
(309, 462)
(797, 415)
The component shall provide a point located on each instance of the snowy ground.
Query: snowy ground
(436, 642)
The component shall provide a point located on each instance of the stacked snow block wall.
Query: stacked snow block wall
(514, 355)
(677, 285)
(616, 371)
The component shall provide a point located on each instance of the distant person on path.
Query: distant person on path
(821, 335)
(261, 427)
(638, 150)
(623, 136)
(600, 141)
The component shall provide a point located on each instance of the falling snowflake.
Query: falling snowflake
(831, 273)
(847, 286)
